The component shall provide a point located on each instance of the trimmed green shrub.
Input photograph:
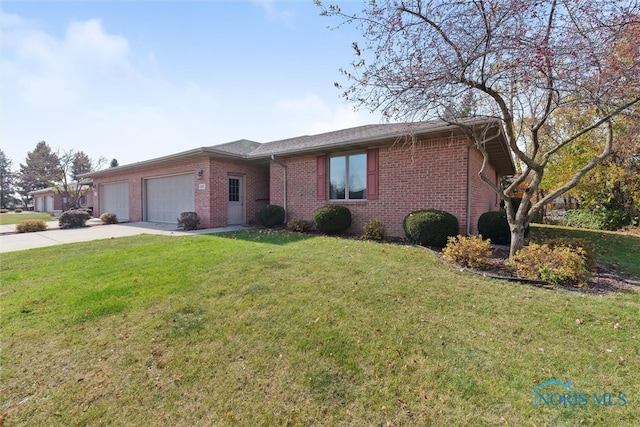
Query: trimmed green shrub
(299, 225)
(109, 218)
(188, 221)
(17, 210)
(430, 227)
(270, 215)
(471, 251)
(559, 265)
(374, 230)
(31, 225)
(494, 226)
(332, 219)
(73, 218)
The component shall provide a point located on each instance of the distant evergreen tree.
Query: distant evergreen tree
(114, 163)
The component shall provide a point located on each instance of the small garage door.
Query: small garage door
(48, 201)
(114, 198)
(169, 196)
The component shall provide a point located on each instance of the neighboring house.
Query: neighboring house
(52, 198)
(378, 171)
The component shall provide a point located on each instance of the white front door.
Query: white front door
(236, 201)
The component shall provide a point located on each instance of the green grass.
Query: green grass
(257, 328)
(14, 218)
(615, 250)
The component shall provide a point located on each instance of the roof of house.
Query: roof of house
(368, 136)
(60, 188)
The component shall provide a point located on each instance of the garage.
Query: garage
(114, 198)
(166, 197)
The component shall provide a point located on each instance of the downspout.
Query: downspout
(284, 185)
(468, 216)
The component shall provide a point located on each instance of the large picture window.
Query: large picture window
(348, 177)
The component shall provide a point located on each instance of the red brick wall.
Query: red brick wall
(483, 198)
(423, 175)
(210, 202)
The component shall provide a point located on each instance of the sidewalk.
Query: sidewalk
(11, 241)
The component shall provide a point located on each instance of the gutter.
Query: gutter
(468, 216)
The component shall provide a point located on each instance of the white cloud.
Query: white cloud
(51, 72)
(275, 14)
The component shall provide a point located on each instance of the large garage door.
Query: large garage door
(114, 198)
(168, 196)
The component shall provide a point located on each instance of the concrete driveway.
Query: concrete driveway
(11, 241)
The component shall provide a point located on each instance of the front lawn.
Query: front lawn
(14, 218)
(259, 329)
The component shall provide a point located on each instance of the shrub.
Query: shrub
(584, 218)
(471, 252)
(188, 221)
(109, 218)
(585, 248)
(332, 219)
(31, 225)
(300, 225)
(559, 265)
(17, 210)
(270, 215)
(73, 218)
(597, 219)
(494, 226)
(3, 210)
(430, 227)
(374, 230)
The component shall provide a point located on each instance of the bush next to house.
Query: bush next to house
(332, 219)
(109, 218)
(430, 227)
(471, 251)
(188, 221)
(299, 225)
(374, 230)
(4, 210)
(270, 215)
(559, 265)
(494, 226)
(31, 225)
(73, 218)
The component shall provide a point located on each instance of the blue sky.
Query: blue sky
(133, 80)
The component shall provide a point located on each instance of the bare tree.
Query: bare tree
(525, 63)
(72, 164)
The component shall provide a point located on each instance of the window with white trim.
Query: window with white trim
(348, 177)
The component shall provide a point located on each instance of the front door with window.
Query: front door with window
(236, 206)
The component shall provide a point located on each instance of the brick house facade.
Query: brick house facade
(378, 171)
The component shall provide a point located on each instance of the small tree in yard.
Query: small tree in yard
(551, 72)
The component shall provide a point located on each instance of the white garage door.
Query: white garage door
(169, 196)
(114, 198)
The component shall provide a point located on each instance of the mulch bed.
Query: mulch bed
(602, 281)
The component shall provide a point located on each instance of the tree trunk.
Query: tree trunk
(517, 239)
